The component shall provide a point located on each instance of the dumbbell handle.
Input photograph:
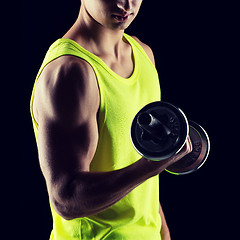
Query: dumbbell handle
(151, 123)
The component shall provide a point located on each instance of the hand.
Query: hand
(187, 148)
(159, 166)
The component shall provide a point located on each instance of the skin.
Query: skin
(65, 107)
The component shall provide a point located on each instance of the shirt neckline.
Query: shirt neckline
(128, 80)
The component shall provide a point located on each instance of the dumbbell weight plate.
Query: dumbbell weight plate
(147, 140)
(194, 160)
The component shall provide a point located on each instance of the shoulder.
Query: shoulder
(65, 84)
(66, 69)
(146, 48)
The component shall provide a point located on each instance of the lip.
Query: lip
(121, 17)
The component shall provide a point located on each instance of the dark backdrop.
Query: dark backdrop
(190, 40)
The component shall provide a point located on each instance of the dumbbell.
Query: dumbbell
(159, 131)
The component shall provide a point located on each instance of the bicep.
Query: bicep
(68, 131)
(64, 151)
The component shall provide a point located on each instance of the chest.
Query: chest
(121, 98)
(123, 65)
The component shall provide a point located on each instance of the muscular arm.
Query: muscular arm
(65, 106)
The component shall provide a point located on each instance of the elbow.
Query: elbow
(67, 211)
(63, 201)
(68, 201)
(62, 210)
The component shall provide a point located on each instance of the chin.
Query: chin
(119, 26)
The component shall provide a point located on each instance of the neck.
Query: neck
(95, 37)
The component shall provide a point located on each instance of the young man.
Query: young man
(90, 86)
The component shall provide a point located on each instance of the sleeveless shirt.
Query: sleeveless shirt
(136, 216)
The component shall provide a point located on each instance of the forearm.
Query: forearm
(89, 193)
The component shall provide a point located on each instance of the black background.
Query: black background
(193, 46)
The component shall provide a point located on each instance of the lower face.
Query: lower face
(111, 13)
(120, 22)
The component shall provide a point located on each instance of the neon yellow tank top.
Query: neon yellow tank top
(136, 216)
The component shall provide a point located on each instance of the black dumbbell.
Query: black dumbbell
(159, 131)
